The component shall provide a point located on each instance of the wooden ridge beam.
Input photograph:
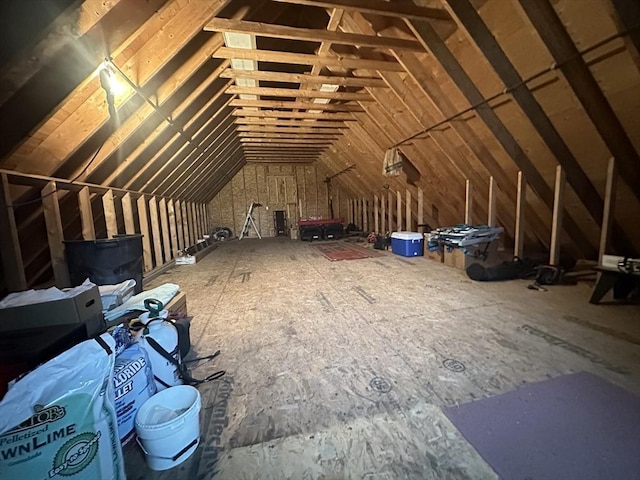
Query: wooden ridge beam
(304, 78)
(309, 123)
(306, 59)
(379, 7)
(555, 36)
(271, 149)
(278, 104)
(294, 93)
(309, 35)
(289, 130)
(342, 117)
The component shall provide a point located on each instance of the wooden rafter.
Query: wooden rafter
(289, 130)
(436, 46)
(69, 59)
(488, 45)
(292, 92)
(285, 135)
(467, 157)
(289, 122)
(83, 119)
(379, 7)
(223, 141)
(133, 125)
(283, 104)
(306, 59)
(284, 141)
(304, 78)
(555, 36)
(309, 35)
(343, 117)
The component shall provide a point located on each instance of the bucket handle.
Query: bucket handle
(176, 456)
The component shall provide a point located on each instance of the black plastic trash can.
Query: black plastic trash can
(106, 261)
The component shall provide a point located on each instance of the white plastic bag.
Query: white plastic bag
(59, 421)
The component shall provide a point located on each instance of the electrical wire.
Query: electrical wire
(74, 179)
(551, 68)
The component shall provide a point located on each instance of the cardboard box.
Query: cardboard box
(437, 256)
(458, 259)
(83, 308)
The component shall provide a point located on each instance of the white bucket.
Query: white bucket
(168, 426)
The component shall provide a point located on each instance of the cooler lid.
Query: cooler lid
(407, 235)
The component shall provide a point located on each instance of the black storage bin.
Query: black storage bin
(106, 261)
(332, 231)
(310, 232)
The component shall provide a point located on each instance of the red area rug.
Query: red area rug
(335, 251)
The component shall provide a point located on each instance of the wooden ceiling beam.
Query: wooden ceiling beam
(276, 104)
(268, 154)
(629, 15)
(298, 141)
(310, 35)
(306, 59)
(300, 161)
(285, 135)
(304, 78)
(379, 7)
(295, 93)
(284, 149)
(288, 130)
(586, 191)
(281, 122)
(342, 117)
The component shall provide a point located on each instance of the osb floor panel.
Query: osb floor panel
(338, 370)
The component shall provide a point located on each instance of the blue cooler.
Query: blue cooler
(407, 244)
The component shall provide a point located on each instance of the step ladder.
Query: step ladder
(249, 221)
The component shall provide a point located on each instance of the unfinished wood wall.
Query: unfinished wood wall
(279, 187)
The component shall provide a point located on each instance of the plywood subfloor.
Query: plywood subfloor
(339, 370)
